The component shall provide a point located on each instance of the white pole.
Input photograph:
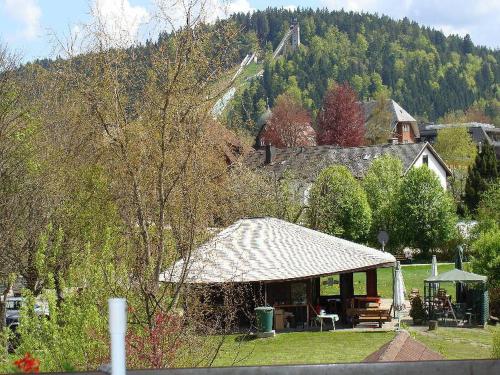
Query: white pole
(117, 330)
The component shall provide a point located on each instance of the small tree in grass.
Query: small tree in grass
(338, 205)
(425, 212)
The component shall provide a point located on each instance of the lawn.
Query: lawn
(414, 276)
(458, 343)
(301, 348)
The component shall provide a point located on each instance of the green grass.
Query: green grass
(414, 276)
(248, 71)
(459, 343)
(301, 348)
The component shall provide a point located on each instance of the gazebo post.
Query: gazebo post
(371, 283)
(346, 291)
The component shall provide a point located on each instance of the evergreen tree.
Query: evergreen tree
(481, 175)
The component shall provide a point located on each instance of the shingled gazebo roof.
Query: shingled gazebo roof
(269, 249)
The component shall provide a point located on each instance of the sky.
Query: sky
(31, 28)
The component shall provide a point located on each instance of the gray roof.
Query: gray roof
(305, 163)
(458, 125)
(269, 249)
(457, 275)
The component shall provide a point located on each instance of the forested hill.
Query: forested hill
(428, 73)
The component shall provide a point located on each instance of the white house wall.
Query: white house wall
(433, 165)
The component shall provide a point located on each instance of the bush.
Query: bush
(496, 344)
(486, 256)
(417, 311)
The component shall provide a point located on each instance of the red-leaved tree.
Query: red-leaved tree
(341, 121)
(289, 125)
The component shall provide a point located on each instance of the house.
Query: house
(403, 348)
(481, 133)
(282, 263)
(305, 163)
(403, 126)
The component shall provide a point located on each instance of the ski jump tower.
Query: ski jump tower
(295, 37)
(291, 40)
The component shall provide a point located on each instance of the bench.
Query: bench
(377, 315)
(402, 258)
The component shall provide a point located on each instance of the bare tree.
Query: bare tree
(154, 115)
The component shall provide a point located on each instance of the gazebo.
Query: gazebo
(474, 304)
(283, 262)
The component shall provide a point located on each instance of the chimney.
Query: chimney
(270, 152)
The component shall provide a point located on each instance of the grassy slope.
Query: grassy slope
(301, 347)
(414, 276)
(459, 343)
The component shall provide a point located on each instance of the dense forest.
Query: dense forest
(428, 73)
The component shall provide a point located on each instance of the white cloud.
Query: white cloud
(172, 13)
(290, 7)
(239, 6)
(119, 20)
(28, 13)
(479, 18)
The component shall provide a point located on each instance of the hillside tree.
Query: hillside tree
(341, 121)
(378, 125)
(456, 147)
(289, 125)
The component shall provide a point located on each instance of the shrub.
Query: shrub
(417, 311)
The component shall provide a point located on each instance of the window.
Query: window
(406, 127)
(425, 159)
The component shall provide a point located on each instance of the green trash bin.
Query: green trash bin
(264, 318)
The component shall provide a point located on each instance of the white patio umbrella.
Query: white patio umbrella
(398, 301)
(434, 273)
(434, 266)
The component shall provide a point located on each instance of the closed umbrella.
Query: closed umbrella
(434, 266)
(434, 273)
(398, 300)
(459, 266)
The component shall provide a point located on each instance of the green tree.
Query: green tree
(425, 212)
(338, 205)
(456, 147)
(486, 255)
(481, 175)
(382, 183)
(378, 126)
(488, 211)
